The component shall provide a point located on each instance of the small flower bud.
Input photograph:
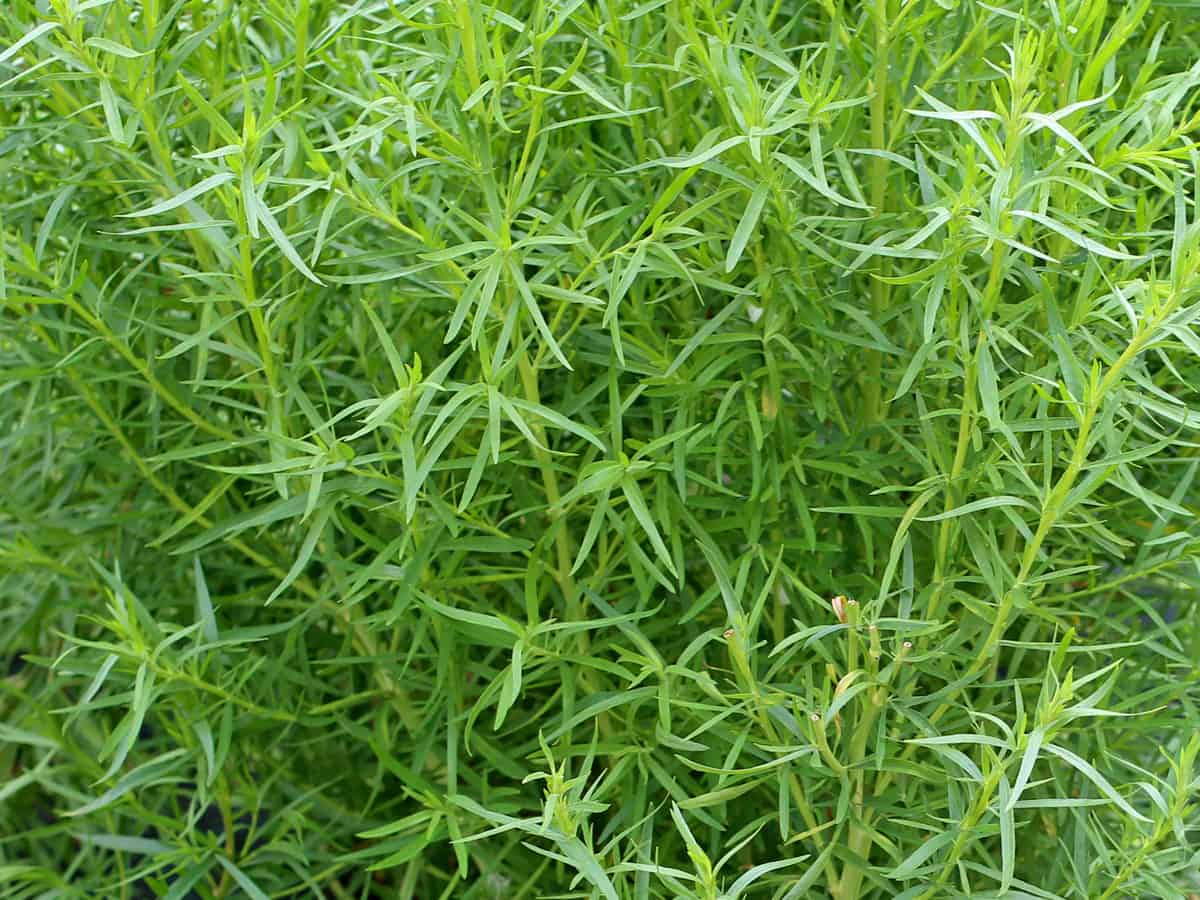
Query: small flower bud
(839, 608)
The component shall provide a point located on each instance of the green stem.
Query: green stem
(862, 836)
(1056, 500)
(876, 406)
(566, 581)
(965, 828)
(749, 684)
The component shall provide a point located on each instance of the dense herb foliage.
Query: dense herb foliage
(691, 448)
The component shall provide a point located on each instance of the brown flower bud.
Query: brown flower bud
(839, 608)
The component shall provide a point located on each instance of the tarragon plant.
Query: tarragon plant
(598, 448)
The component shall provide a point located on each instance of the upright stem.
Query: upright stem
(748, 681)
(861, 834)
(872, 388)
(566, 581)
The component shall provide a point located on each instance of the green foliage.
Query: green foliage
(440, 442)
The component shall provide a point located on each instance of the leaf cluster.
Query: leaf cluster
(681, 449)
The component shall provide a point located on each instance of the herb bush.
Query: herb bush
(692, 449)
